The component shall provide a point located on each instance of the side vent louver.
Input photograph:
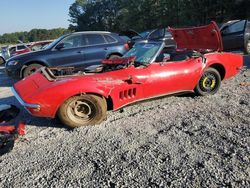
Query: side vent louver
(127, 94)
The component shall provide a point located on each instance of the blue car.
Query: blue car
(80, 50)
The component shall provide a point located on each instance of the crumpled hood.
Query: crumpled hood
(37, 83)
(198, 38)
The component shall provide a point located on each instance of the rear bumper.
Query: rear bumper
(24, 104)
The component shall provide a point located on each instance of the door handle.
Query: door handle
(131, 80)
(80, 52)
(105, 48)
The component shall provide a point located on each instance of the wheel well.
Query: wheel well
(115, 53)
(2, 59)
(220, 68)
(36, 62)
(29, 63)
(108, 100)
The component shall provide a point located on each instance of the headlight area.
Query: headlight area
(29, 107)
(12, 63)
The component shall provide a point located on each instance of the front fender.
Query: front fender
(50, 98)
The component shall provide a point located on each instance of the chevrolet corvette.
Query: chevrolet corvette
(149, 70)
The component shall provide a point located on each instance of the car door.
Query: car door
(173, 77)
(233, 35)
(96, 49)
(68, 52)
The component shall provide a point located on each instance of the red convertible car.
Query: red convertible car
(148, 70)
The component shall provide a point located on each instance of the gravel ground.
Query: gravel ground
(176, 141)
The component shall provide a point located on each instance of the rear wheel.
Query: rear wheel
(209, 83)
(31, 69)
(2, 61)
(114, 56)
(247, 48)
(83, 110)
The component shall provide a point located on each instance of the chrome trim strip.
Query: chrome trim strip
(26, 105)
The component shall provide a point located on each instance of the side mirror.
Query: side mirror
(60, 46)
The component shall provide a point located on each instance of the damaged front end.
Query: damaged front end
(107, 65)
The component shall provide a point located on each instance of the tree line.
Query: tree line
(31, 36)
(140, 15)
(118, 15)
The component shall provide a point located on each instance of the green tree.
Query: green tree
(33, 35)
(117, 15)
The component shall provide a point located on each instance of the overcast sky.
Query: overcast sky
(24, 15)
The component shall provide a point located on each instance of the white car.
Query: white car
(2, 59)
(4, 54)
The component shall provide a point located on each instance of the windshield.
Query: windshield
(144, 34)
(53, 43)
(143, 52)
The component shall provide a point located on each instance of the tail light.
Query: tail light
(21, 129)
(126, 46)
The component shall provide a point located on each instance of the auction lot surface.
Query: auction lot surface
(176, 141)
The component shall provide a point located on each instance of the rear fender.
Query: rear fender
(231, 62)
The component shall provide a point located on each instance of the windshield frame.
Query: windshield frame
(152, 59)
(54, 43)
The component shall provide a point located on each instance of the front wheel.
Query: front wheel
(31, 69)
(114, 56)
(209, 82)
(83, 110)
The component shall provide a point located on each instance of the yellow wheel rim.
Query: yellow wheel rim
(213, 84)
(208, 82)
(204, 82)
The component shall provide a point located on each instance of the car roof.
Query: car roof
(92, 32)
(150, 41)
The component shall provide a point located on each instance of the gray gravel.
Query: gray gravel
(176, 141)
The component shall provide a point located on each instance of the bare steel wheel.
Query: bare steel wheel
(83, 110)
(209, 82)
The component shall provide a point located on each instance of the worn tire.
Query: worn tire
(72, 111)
(2, 61)
(6, 146)
(209, 82)
(31, 69)
(114, 56)
(247, 47)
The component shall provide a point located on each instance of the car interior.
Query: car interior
(171, 54)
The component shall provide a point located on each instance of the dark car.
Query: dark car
(161, 34)
(236, 35)
(80, 49)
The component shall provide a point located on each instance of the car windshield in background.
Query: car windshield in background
(143, 52)
(144, 34)
(53, 43)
